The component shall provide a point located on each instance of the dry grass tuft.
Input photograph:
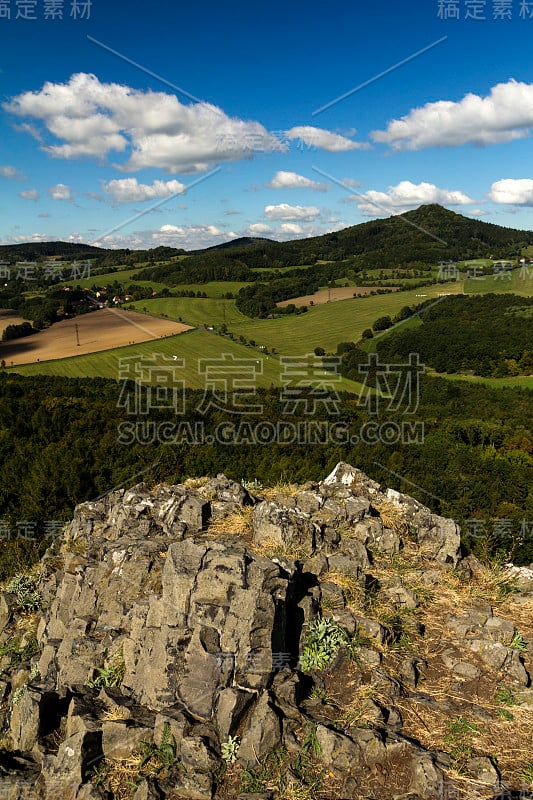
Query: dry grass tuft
(196, 483)
(353, 592)
(116, 712)
(269, 548)
(238, 523)
(392, 516)
(282, 488)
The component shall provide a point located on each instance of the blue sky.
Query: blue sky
(213, 131)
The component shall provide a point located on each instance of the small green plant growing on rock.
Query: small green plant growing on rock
(230, 749)
(518, 642)
(18, 694)
(20, 650)
(459, 738)
(505, 696)
(154, 759)
(110, 676)
(290, 776)
(23, 586)
(323, 638)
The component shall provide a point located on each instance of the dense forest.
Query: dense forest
(63, 441)
(489, 335)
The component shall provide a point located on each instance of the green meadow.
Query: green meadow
(517, 281)
(191, 347)
(194, 311)
(327, 325)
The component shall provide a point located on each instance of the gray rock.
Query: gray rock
(338, 752)
(352, 478)
(483, 770)
(25, 720)
(120, 738)
(231, 705)
(261, 734)
(491, 653)
(452, 660)
(427, 778)
(355, 551)
(286, 527)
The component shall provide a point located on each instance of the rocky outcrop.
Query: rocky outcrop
(172, 654)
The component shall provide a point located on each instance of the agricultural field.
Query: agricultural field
(96, 331)
(517, 281)
(330, 295)
(192, 347)
(196, 311)
(518, 381)
(327, 325)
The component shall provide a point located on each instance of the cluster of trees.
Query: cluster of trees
(17, 331)
(489, 335)
(59, 446)
(214, 265)
(49, 307)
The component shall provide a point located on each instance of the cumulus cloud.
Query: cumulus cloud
(290, 228)
(517, 192)
(153, 129)
(128, 190)
(502, 116)
(29, 194)
(11, 173)
(405, 196)
(324, 140)
(291, 180)
(60, 192)
(257, 229)
(286, 212)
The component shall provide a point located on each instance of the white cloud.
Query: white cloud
(128, 190)
(60, 192)
(291, 180)
(405, 196)
(324, 140)
(290, 228)
(350, 182)
(154, 129)
(29, 194)
(11, 173)
(286, 212)
(502, 116)
(257, 229)
(514, 192)
(478, 212)
(28, 237)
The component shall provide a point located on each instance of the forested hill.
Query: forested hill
(424, 236)
(427, 235)
(31, 251)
